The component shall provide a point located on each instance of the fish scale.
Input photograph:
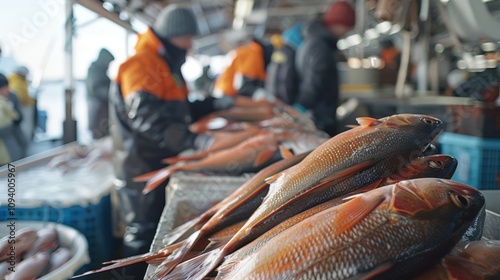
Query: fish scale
(412, 224)
(328, 158)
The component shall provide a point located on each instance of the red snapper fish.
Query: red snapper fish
(393, 232)
(340, 157)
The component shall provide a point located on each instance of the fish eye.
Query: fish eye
(460, 200)
(427, 121)
(436, 164)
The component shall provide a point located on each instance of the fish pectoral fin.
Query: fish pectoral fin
(367, 121)
(360, 191)
(264, 156)
(353, 211)
(376, 271)
(285, 153)
(347, 172)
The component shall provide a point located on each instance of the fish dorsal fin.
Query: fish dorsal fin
(285, 153)
(367, 121)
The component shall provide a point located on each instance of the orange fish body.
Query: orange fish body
(391, 232)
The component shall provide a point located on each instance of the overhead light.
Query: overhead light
(354, 39)
(371, 34)
(384, 27)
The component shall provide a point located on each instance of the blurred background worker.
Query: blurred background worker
(18, 84)
(13, 144)
(317, 65)
(150, 114)
(390, 54)
(246, 73)
(98, 84)
(282, 78)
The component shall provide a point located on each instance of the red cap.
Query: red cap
(340, 12)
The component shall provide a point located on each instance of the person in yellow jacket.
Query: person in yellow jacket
(18, 84)
(246, 74)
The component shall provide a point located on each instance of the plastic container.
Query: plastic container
(478, 159)
(92, 220)
(68, 237)
(60, 186)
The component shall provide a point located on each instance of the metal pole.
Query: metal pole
(69, 124)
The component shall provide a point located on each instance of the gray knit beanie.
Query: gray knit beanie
(175, 21)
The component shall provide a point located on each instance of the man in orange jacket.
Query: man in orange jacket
(150, 115)
(246, 73)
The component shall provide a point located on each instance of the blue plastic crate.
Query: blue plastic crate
(92, 220)
(478, 159)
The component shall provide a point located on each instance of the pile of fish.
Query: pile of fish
(258, 144)
(36, 253)
(368, 203)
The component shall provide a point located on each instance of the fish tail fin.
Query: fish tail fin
(179, 231)
(160, 254)
(218, 242)
(227, 268)
(157, 179)
(176, 257)
(196, 268)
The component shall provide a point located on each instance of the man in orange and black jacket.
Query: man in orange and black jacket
(246, 74)
(150, 114)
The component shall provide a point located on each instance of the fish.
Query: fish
(476, 260)
(392, 232)
(31, 267)
(238, 114)
(23, 240)
(58, 258)
(47, 241)
(248, 156)
(435, 166)
(339, 157)
(235, 207)
(233, 140)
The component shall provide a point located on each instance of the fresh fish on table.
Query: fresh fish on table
(477, 260)
(339, 157)
(392, 232)
(238, 114)
(236, 207)
(234, 140)
(251, 155)
(436, 166)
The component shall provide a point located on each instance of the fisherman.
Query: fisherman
(246, 74)
(282, 77)
(98, 84)
(150, 114)
(317, 65)
(18, 84)
(12, 142)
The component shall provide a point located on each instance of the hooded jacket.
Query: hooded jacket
(316, 62)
